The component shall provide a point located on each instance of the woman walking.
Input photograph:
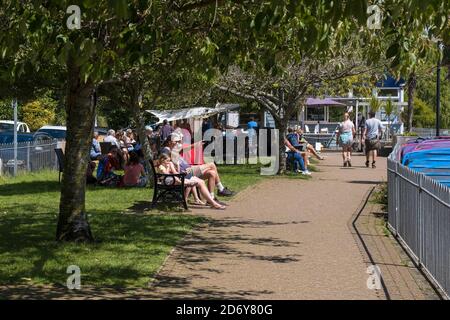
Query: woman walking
(345, 137)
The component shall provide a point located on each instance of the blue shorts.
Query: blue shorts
(346, 139)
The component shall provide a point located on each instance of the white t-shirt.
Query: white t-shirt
(113, 141)
(346, 126)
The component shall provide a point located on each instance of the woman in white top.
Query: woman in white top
(345, 137)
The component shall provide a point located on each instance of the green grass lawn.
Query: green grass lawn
(133, 241)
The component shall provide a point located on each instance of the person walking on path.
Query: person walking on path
(345, 137)
(371, 136)
(361, 125)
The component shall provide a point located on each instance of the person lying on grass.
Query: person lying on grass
(166, 166)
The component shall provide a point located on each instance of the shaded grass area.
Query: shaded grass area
(130, 250)
(133, 243)
(131, 247)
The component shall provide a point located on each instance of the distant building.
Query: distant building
(387, 88)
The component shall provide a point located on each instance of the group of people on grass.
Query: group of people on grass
(125, 154)
(126, 141)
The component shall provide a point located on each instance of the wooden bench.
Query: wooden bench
(165, 188)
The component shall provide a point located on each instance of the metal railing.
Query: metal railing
(430, 132)
(31, 156)
(419, 216)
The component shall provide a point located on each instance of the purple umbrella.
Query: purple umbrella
(311, 102)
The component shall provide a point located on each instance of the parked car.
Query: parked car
(35, 151)
(101, 131)
(57, 132)
(7, 137)
(8, 125)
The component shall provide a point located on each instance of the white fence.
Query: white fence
(419, 216)
(31, 156)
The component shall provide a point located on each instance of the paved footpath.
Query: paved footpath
(280, 239)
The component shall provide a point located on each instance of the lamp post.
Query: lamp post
(438, 89)
(438, 92)
(14, 105)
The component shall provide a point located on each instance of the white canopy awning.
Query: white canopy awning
(189, 113)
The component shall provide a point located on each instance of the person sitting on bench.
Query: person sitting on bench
(294, 140)
(295, 156)
(166, 166)
(207, 171)
(309, 147)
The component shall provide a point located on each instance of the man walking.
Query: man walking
(372, 133)
(361, 126)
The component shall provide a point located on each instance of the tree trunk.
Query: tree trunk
(140, 126)
(73, 223)
(412, 83)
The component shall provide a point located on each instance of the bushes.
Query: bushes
(6, 111)
(47, 107)
(424, 115)
(39, 113)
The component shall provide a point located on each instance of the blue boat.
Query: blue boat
(430, 157)
(426, 154)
